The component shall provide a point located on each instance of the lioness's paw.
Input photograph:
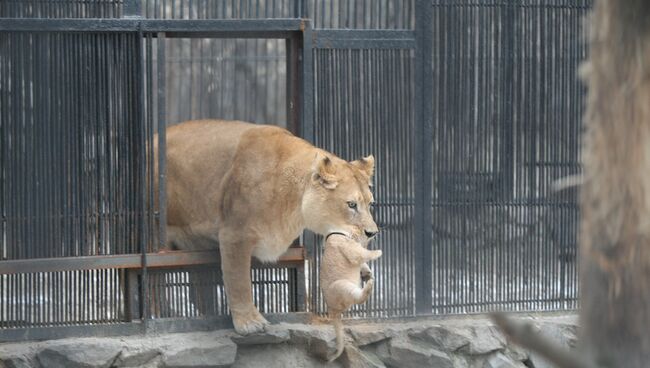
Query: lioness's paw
(376, 253)
(254, 324)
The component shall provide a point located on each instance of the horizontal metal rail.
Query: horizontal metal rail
(293, 257)
(235, 28)
(363, 39)
(507, 4)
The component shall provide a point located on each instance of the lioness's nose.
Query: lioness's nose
(370, 234)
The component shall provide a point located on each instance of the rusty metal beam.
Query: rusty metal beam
(293, 257)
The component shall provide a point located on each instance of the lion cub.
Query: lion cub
(340, 278)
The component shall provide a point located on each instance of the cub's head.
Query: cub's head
(338, 197)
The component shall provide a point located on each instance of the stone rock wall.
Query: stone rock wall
(458, 342)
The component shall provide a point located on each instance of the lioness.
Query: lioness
(251, 190)
(344, 260)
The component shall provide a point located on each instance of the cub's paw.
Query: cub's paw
(366, 276)
(370, 284)
(254, 323)
(366, 273)
(376, 254)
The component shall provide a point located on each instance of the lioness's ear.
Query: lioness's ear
(366, 164)
(323, 172)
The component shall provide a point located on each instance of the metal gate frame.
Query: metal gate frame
(423, 154)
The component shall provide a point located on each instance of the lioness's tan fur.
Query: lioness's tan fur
(340, 279)
(251, 190)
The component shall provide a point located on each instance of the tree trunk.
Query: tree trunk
(615, 233)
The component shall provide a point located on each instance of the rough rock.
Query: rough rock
(447, 338)
(366, 335)
(459, 342)
(278, 356)
(14, 362)
(499, 360)
(400, 352)
(273, 335)
(352, 357)
(517, 353)
(136, 357)
(84, 354)
(561, 333)
(204, 354)
(320, 340)
(154, 363)
(486, 339)
(16, 355)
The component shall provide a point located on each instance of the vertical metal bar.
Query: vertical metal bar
(293, 84)
(132, 9)
(304, 9)
(23, 250)
(162, 143)
(4, 165)
(423, 155)
(150, 129)
(439, 22)
(142, 190)
(307, 80)
(12, 233)
(131, 299)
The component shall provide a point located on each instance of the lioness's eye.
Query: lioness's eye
(352, 205)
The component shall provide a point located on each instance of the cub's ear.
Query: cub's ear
(366, 164)
(323, 172)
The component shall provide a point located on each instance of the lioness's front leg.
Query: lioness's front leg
(236, 268)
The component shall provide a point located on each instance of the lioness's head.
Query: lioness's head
(338, 197)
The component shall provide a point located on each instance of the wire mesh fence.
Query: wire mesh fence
(73, 166)
(232, 79)
(62, 298)
(363, 104)
(61, 8)
(507, 105)
(364, 14)
(198, 291)
(337, 14)
(72, 160)
(219, 9)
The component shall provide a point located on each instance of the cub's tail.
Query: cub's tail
(338, 328)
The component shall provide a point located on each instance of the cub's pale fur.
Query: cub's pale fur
(344, 259)
(251, 190)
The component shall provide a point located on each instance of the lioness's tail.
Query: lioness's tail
(338, 328)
